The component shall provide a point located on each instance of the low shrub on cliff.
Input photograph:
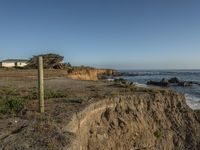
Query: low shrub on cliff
(158, 134)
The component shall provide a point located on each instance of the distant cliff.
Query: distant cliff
(89, 73)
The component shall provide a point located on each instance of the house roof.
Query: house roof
(15, 60)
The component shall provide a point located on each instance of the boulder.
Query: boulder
(174, 80)
(163, 83)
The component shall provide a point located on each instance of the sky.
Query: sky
(119, 34)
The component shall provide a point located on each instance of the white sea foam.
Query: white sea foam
(140, 85)
(193, 93)
(193, 101)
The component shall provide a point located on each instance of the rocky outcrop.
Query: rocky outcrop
(173, 81)
(89, 73)
(147, 121)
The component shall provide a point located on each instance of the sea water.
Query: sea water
(192, 93)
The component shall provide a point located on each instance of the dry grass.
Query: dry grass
(20, 73)
(20, 91)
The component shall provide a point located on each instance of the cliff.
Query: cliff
(89, 73)
(115, 117)
(137, 122)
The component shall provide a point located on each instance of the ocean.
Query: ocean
(192, 93)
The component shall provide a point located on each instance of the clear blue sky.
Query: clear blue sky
(122, 34)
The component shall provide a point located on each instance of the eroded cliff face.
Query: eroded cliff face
(89, 74)
(147, 121)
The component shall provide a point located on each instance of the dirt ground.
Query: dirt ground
(23, 127)
(64, 97)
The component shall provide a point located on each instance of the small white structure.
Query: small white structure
(9, 63)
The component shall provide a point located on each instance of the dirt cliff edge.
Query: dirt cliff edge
(91, 74)
(137, 122)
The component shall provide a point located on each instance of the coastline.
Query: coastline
(94, 114)
(192, 101)
(141, 77)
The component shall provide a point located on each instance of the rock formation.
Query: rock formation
(173, 81)
(88, 73)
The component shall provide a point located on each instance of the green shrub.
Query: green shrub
(158, 134)
(54, 94)
(11, 105)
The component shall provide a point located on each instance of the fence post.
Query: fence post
(40, 84)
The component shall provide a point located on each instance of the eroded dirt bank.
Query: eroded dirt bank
(136, 122)
(90, 74)
(101, 116)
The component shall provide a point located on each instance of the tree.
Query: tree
(50, 61)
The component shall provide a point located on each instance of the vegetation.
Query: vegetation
(50, 61)
(81, 67)
(11, 105)
(158, 134)
(12, 101)
(54, 94)
(47, 95)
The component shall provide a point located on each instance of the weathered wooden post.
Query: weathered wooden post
(40, 84)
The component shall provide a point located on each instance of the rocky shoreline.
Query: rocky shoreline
(173, 82)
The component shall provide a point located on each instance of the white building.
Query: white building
(9, 63)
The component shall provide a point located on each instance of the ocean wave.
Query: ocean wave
(193, 101)
(140, 85)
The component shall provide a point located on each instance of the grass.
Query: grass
(47, 94)
(12, 101)
(54, 94)
(31, 96)
(11, 105)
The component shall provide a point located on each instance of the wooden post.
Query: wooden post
(40, 84)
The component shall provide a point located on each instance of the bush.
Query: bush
(158, 133)
(54, 94)
(11, 105)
